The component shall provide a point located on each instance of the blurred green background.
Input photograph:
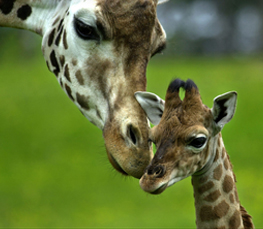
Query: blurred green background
(54, 170)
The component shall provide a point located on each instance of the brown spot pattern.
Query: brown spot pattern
(228, 184)
(24, 12)
(97, 70)
(79, 77)
(66, 73)
(74, 62)
(217, 155)
(83, 101)
(231, 198)
(65, 42)
(69, 92)
(208, 213)
(203, 179)
(51, 37)
(60, 24)
(59, 36)
(219, 141)
(6, 6)
(212, 197)
(60, 82)
(62, 61)
(54, 63)
(235, 220)
(205, 187)
(226, 164)
(56, 21)
(218, 172)
(223, 153)
(98, 114)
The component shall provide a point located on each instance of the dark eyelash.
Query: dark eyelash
(85, 31)
(198, 142)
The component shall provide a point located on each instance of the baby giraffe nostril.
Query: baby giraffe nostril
(157, 171)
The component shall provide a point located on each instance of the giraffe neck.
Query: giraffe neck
(30, 15)
(216, 199)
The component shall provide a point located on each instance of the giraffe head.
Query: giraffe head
(99, 51)
(185, 135)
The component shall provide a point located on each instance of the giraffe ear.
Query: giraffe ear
(224, 109)
(152, 104)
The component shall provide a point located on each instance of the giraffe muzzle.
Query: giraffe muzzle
(127, 147)
(157, 171)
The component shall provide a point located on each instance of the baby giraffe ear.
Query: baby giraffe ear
(224, 109)
(152, 104)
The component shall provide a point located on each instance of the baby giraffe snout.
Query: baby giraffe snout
(153, 180)
(156, 171)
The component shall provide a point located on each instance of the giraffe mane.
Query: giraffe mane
(247, 219)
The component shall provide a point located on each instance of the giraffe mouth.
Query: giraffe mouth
(116, 165)
(160, 189)
(175, 180)
(155, 191)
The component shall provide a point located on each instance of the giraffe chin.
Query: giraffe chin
(128, 167)
(116, 165)
(149, 186)
(159, 190)
(129, 152)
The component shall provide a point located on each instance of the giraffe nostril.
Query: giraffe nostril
(133, 134)
(157, 171)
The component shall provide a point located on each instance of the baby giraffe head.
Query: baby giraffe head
(185, 133)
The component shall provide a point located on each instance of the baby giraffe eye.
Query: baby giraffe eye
(198, 142)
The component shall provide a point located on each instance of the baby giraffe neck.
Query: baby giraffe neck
(216, 200)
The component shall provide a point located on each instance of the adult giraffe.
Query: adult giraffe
(99, 51)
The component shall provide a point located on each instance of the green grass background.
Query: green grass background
(54, 170)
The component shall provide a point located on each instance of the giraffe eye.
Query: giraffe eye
(198, 142)
(85, 31)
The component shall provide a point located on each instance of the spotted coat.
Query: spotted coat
(99, 50)
(189, 143)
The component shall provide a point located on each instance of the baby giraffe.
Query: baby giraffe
(189, 143)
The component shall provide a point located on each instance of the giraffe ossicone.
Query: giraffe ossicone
(99, 51)
(189, 143)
